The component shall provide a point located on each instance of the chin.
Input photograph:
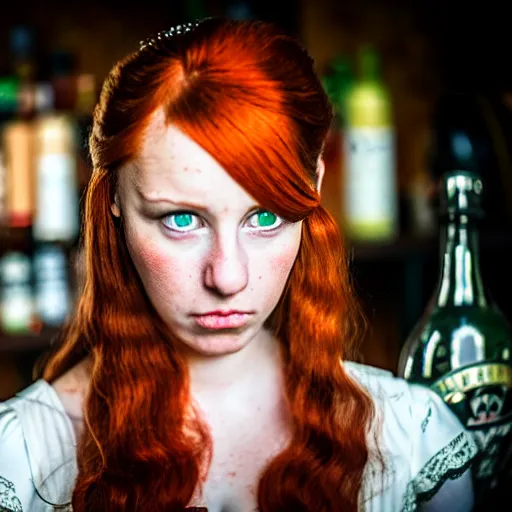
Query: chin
(218, 351)
(217, 344)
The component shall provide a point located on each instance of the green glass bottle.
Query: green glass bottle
(461, 347)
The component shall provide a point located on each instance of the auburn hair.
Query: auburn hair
(249, 95)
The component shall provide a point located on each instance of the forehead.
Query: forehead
(171, 165)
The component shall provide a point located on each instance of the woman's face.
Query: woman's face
(201, 243)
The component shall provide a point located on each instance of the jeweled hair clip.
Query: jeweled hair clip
(167, 34)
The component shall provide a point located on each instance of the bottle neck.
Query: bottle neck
(461, 281)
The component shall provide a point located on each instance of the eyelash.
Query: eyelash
(185, 212)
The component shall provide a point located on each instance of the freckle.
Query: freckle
(232, 474)
(259, 277)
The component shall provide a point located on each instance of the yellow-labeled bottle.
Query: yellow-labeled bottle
(370, 187)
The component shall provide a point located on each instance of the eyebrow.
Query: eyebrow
(180, 204)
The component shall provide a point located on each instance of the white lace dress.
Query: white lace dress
(425, 447)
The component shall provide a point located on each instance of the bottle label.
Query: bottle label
(480, 395)
(57, 198)
(370, 186)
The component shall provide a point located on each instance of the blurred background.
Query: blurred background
(387, 66)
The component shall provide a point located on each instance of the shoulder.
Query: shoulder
(391, 395)
(423, 442)
(37, 447)
(72, 388)
(417, 408)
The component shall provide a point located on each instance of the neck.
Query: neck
(461, 282)
(227, 377)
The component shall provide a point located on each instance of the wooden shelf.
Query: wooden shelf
(17, 343)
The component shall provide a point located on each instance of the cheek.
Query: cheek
(148, 258)
(156, 266)
(277, 266)
(283, 262)
(161, 270)
(286, 256)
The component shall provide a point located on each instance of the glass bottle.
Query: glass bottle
(51, 284)
(461, 347)
(16, 297)
(370, 202)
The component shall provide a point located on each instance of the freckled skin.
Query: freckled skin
(223, 263)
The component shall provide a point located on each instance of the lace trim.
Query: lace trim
(9, 502)
(447, 464)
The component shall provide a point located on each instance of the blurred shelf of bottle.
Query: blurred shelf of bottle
(37, 294)
(46, 107)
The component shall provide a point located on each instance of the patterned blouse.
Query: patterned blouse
(424, 445)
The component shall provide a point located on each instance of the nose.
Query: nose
(226, 270)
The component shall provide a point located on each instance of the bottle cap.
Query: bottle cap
(456, 138)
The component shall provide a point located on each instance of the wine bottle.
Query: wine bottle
(57, 216)
(461, 347)
(370, 202)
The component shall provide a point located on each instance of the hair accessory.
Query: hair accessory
(167, 34)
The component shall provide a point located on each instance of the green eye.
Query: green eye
(266, 218)
(183, 220)
(180, 222)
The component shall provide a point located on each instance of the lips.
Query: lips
(223, 312)
(222, 319)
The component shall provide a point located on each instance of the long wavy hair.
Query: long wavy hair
(249, 95)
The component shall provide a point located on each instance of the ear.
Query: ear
(114, 207)
(320, 170)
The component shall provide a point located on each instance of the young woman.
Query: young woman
(208, 361)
